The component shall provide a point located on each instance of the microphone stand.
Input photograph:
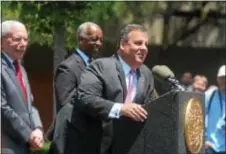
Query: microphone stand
(175, 85)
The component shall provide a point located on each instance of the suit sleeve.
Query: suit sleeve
(12, 122)
(34, 115)
(151, 92)
(65, 84)
(90, 93)
(36, 118)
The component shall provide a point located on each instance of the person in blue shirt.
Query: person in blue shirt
(215, 116)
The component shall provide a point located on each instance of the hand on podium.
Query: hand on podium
(134, 111)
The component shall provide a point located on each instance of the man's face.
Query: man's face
(93, 42)
(135, 48)
(186, 79)
(221, 82)
(15, 43)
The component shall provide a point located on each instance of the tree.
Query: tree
(48, 22)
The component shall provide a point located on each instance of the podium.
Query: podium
(175, 125)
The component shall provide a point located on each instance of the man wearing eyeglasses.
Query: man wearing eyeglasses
(21, 130)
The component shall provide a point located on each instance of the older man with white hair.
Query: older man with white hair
(215, 115)
(21, 130)
(67, 78)
(89, 38)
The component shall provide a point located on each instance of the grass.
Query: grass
(44, 150)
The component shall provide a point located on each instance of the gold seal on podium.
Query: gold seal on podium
(194, 126)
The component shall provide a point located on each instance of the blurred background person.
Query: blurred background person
(200, 83)
(215, 115)
(186, 81)
(212, 87)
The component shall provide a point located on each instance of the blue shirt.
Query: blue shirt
(85, 58)
(215, 120)
(115, 111)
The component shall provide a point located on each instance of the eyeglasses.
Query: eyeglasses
(19, 39)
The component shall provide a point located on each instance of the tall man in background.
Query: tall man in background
(21, 129)
(110, 88)
(67, 78)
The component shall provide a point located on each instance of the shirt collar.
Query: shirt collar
(83, 55)
(125, 66)
(8, 57)
(9, 60)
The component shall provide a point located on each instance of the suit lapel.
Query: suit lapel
(81, 63)
(140, 86)
(12, 75)
(121, 76)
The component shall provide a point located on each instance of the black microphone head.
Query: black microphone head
(162, 72)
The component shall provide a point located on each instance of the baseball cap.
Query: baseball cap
(221, 71)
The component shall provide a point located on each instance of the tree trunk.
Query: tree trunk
(59, 51)
(59, 45)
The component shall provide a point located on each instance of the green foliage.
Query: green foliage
(9, 13)
(44, 150)
(42, 17)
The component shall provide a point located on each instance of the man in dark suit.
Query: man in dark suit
(21, 130)
(67, 78)
(110, 88)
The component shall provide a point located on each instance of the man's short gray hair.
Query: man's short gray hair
(82, 29)
(124, 33)
(7, 25)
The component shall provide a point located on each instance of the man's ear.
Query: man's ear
(122, 44)
(80, 40)
(3, 42)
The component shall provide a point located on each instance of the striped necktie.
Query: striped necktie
(129, 96)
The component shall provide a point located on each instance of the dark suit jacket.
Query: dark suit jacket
(66, 79)
(19, 118)
(102, 84)
(65, 85)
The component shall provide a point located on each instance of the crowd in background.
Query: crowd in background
(214, 107)
(197, 83)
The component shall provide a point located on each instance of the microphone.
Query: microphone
(162, 72)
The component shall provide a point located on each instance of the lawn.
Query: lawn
(44, 150)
